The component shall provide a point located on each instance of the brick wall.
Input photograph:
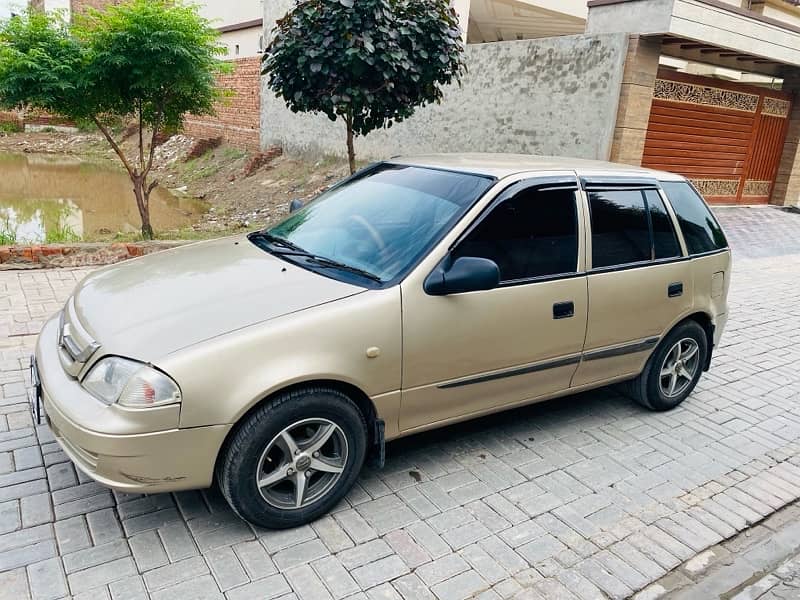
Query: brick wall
(34, 118)
(78, 6)
(238, 117)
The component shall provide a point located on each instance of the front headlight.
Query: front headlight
(130, 383)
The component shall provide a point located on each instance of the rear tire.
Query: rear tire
(674, 369)
(294, 458)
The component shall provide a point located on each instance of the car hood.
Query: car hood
(154, 305)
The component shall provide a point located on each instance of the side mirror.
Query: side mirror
(295, 205)
(465, 274)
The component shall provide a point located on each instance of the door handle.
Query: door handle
(675, 289)
(563, 310)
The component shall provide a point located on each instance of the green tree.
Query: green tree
(370, 62)
(151, 60)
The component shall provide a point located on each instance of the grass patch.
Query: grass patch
(230, 153)
(10, 127)
(200, 168)
(61, 234)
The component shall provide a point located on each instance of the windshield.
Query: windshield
(379, 223)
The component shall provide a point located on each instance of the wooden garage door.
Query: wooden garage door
(727, 138)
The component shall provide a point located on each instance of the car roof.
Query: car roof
(503, 165)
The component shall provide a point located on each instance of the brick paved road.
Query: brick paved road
(586, 497)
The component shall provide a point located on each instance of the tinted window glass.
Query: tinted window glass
(700, 229)
(620, 233)
(532, 234)
(384, 220)
(665, 242)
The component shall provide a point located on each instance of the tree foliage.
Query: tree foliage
(370, 62)
(39, 63)
(152, 60)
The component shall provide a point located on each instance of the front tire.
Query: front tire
(294, 458)
(674, 369)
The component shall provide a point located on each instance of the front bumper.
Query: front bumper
(124, 449)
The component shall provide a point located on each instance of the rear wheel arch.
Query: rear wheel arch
(648, 387)
(704, 320)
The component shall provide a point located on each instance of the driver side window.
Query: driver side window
(532, 234)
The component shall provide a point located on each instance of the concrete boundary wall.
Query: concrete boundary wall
(551, 96)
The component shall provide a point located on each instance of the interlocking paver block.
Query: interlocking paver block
(460, 587)
(148, 551)
(363, 554)
(300, 554)
(255, 560)
(100, 575)
(274, 586)
(47, 580)
(130, 588)
(96, 555)
(201, 588)
(441, 569)
(335, 577)
(305, 583)
(169, 575)
(380, 571)
(591, 489)
(331, 534)
(36, 510)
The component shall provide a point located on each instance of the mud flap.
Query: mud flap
(377, 454)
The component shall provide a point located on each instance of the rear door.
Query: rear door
(639, 279)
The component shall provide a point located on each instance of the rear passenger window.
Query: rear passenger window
(532, 234)
(620, 231)
(700, 229)
(665, 242)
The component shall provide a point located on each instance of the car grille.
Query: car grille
(75, 344)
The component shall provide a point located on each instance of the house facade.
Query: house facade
(705, 88)
(240, 24)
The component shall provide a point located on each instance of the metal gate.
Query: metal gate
(726, 137)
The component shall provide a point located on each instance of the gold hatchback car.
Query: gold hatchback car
(416, 293)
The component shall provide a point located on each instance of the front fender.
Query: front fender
(221, 379)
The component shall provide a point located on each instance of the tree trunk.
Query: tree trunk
(351, 153)
(142, 193)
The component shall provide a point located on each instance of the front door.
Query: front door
(639, 283)
(468, 353)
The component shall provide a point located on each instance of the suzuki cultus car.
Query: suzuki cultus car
(417, 293)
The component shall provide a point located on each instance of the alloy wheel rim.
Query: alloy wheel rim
(302, 463)
(679, 367)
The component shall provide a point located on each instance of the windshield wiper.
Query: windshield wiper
(277, 241)
(321, 261)
(335, 264)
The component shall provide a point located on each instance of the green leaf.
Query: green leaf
(373, 60)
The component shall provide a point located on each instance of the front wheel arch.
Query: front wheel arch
(358, 396)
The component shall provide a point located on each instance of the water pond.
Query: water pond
(48, 198)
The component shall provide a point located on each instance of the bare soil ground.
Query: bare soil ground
(237, 201)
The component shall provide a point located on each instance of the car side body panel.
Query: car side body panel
(629, 312)
(712, 280)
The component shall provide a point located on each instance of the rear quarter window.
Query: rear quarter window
(700, 229)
